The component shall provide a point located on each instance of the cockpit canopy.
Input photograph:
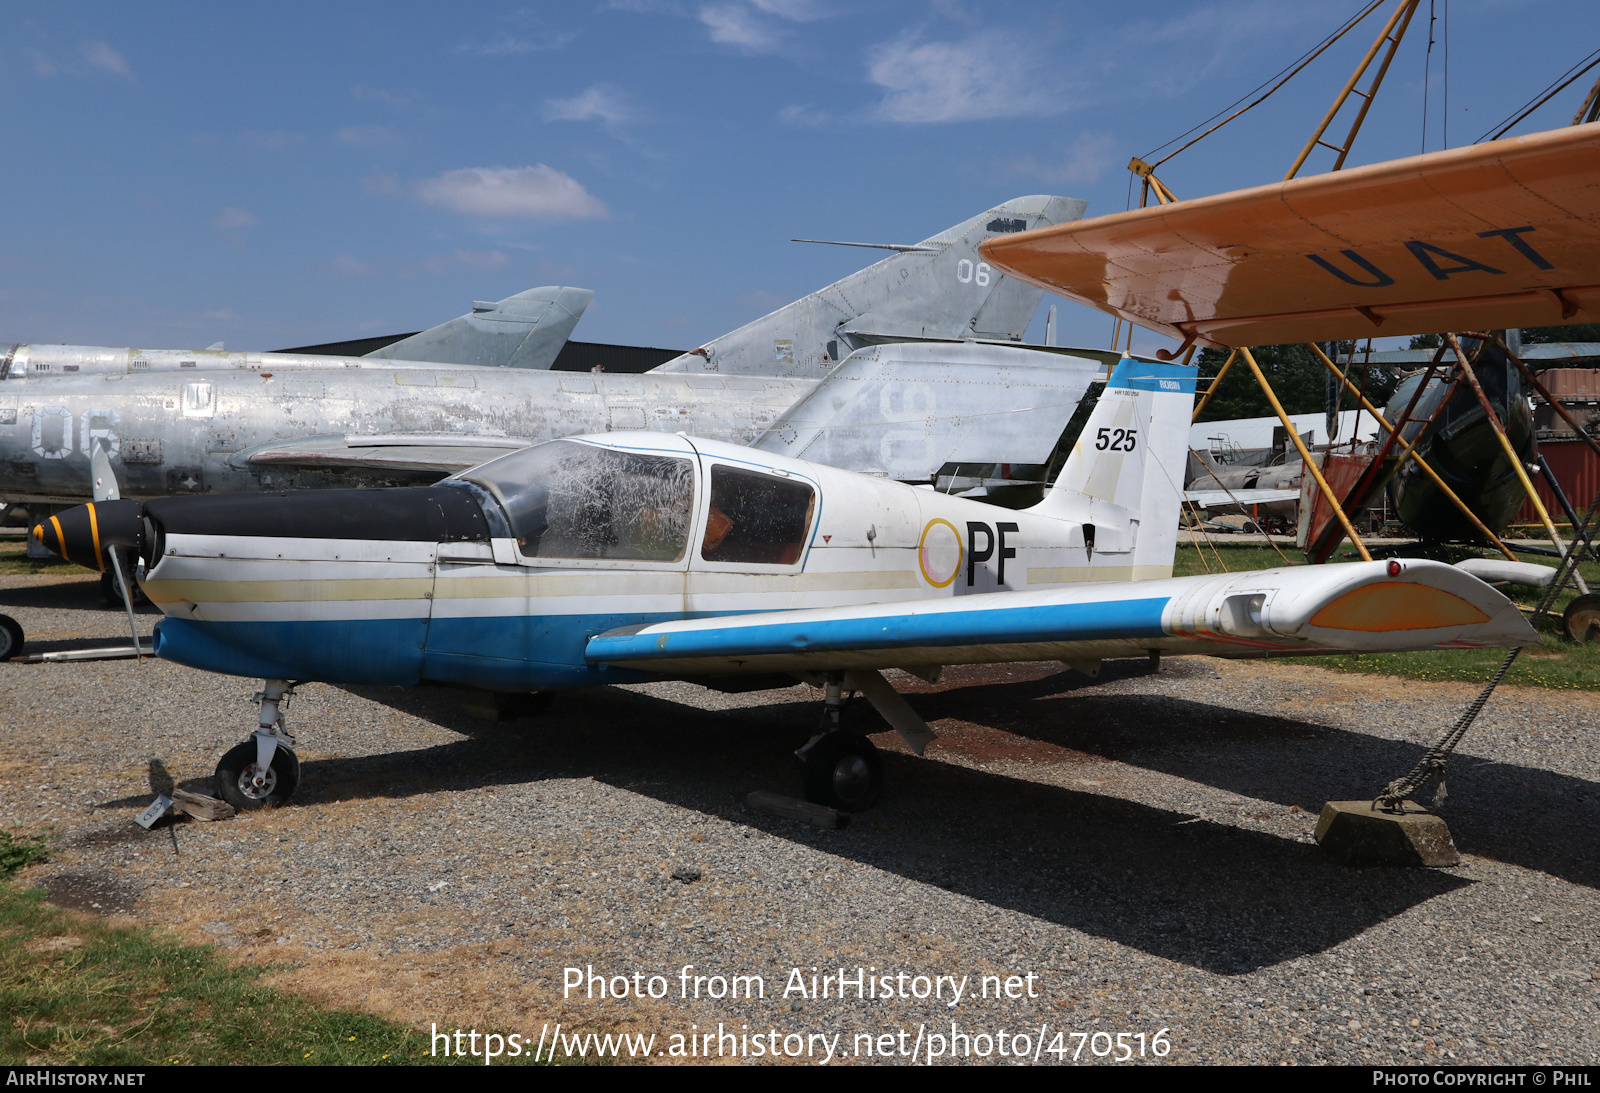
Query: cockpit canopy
(572, 499)
(567, 499)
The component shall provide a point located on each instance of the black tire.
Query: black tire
(236, 771)
(844, 771)
(1581, 619)
(108, 589)
(11, 640)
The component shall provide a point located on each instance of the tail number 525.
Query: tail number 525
(1116, 440)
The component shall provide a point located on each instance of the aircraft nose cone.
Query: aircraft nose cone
(84, 534)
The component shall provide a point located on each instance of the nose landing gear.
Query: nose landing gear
(262, 772)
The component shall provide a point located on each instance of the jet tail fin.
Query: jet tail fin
(522, 331)
(938, 289)
(906, 409)
(1123, 480)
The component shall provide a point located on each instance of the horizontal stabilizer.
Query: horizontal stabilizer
(1355, 607)
(906, 409)
(1504, 234)
(522, 331)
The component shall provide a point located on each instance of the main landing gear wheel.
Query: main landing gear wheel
(842, 770)
(1581, 619)
(236, 773)
(10, 637)
(113, 594)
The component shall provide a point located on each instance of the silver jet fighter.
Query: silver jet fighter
(181, 421)
(898, 411)
(522, 331)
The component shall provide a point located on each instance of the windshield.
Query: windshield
(566, 499)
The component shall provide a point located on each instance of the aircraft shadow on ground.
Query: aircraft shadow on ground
(1521, 815)
(1217, 897)
(73, 595)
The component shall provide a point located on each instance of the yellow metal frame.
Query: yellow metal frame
(1305, 455)
(1393, 31)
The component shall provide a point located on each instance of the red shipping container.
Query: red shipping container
(1581, 384)
(1575, 467)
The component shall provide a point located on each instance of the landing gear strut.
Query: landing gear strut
(263, 771)
(842, 769)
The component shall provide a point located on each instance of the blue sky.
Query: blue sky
(270, 175)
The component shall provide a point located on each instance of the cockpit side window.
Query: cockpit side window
(571, 500)
(758, 518)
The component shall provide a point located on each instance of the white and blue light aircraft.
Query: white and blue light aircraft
(628, 557)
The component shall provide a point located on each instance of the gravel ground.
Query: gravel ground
(1141, 846)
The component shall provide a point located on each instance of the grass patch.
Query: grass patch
(76, 991)
(21, 851)
(1555, 663)
(14, 560)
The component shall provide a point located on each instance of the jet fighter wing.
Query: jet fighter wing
(1360, 607)
(445, 454)
(1504, 234)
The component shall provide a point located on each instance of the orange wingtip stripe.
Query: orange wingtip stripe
(1399, 605)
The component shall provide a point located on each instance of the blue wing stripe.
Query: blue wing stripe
(993, 626)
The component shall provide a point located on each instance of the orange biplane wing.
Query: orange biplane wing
(1490, 236)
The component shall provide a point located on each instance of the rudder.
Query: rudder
(1124, 476)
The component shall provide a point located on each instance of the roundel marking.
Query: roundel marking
(940, 553)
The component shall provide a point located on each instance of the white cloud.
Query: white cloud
(42, 64)
(101, 56)
(368, 136)
(233, 218)
(1086, 161)
(351, 267)
(986, 75)
(600, 103)
(752, 25)
(795, 11)
(738, 26)
(540, 192)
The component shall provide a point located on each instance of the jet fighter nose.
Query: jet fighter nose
(84, 534)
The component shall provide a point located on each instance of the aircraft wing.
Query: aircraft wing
(1354, 607)
(1216, 499)
(445, 454)
(1504, 234)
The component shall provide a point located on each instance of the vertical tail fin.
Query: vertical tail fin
(1124, 478)
(939, 289)
(522, 331)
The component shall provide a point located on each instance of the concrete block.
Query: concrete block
(1356, 834)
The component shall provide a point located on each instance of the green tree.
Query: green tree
(1578, 332)
(1300, 380)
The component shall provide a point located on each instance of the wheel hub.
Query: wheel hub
(852, 778)
(248, 786)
